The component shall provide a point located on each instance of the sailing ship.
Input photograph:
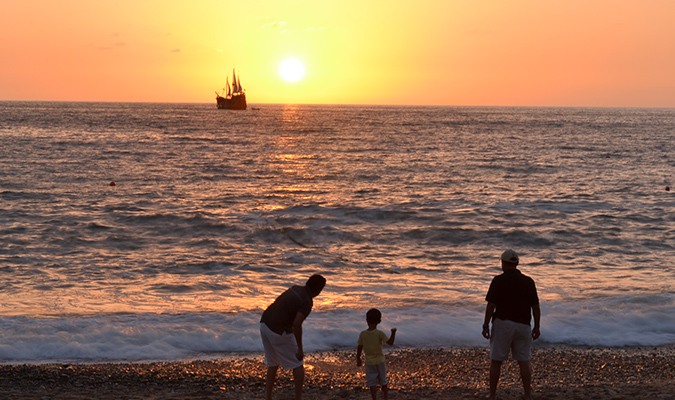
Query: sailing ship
(232, 97)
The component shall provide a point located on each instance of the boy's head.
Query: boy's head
(373, 316)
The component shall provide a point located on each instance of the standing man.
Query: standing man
(281, 332)
(512, 301)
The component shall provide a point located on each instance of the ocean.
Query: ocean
(138, 231)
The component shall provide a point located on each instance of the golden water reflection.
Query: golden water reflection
(290, 116)
(293, 170)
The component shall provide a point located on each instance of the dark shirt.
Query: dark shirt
(514, 294)
(279, 316)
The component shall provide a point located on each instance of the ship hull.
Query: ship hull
(235, 102)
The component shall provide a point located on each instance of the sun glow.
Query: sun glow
(291, 70)
(182, 52)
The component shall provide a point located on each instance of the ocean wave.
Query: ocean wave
(613, 322)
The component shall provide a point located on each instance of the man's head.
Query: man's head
(373, 316)
(315, 284)
(509, 259)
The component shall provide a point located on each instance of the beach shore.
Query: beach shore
(457, 373)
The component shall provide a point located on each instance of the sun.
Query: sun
(291, 70)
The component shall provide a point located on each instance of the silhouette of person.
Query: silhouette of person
(512, 302)
(370, 342)
(281, 332)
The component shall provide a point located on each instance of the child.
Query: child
(370, 342)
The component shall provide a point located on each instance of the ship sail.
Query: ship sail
(235, 86)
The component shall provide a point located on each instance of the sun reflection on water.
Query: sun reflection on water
(292, 169)
(290, 114)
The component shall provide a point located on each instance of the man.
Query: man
(281, 332)
(512, 301)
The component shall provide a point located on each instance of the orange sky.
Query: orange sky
(606, 53)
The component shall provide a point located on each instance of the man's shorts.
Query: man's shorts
(279, 349)
(376, 373)
(509, 336)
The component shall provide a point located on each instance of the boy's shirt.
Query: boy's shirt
(372, 345)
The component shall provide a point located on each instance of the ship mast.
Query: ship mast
(235, 87)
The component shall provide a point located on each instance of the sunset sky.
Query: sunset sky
(604, 53)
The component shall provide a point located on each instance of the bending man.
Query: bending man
(281, 332)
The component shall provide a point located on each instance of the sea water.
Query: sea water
(161, 231)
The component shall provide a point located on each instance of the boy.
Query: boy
(370, 342)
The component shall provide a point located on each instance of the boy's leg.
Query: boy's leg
(371, 380)
(382, 378)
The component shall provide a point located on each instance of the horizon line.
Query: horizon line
(347, 104)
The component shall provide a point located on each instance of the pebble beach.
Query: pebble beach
(438, 374)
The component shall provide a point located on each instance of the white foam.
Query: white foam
(127, 337)
(616, 321)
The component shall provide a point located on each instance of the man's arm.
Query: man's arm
(359, 350)
(297, 331)
(489, 311)
(536, 314)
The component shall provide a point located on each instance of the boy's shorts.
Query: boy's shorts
(375, 373)
(509, 336)
(279, 349)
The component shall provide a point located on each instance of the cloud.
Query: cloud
(175, 51)
(276, 25)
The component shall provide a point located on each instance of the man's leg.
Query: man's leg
(526, 376)
(495, 371)
(299, 380)
(373, 392)
(271, 377)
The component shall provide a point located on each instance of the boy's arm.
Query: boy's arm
(390, 342)
(359, 350)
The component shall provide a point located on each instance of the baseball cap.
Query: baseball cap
(510, 256)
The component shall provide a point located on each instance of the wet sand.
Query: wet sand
(461, 373)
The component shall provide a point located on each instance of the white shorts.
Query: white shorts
(279, 349)
(510, 337)
(376, 373)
